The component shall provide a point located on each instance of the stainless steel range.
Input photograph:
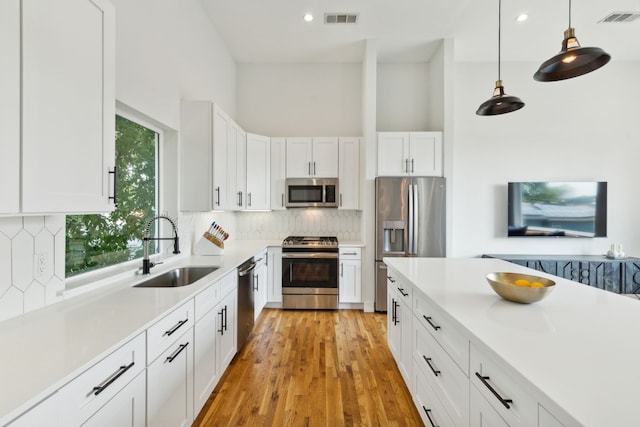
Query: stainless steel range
(310, 272)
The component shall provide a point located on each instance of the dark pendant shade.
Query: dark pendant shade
(572, 61)
(499, 103)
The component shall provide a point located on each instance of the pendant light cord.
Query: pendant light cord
(499, 25)
(569, 13)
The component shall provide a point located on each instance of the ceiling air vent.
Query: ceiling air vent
(340, 18)
(620, 17)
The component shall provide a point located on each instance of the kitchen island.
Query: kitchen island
(571, 358)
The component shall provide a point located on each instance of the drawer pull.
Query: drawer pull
(428, 360)
(177, 352)
(485, 381)
(106, 383)
(350, 253)
(428, 412)
(433, 325)
(401, 290)
(175, 328)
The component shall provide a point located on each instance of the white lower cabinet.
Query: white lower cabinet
(97, 390)
(429, 406)
(482, 414)
(170, 368)
(125, 409)
(260, 284)
(350, 280)
(274, 270)
(399, 329)
(45, 413)
(170, 385)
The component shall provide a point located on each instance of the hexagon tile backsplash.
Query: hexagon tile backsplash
(31, 263)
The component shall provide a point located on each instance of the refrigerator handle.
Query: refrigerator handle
(411, 219)
(416, 219)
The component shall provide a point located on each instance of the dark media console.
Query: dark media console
(621, 276)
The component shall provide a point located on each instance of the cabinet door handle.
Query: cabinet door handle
(428, 412)
(340, 199)
(177, 352)
(341, 269)
(115, 192)
(255, 282)
(112, 378)
(485, 381)
(249, 199)
(225, 318)
(175, 328)
(433, 325)
(221, 314)
(436, 372)
(314, 168)
(217, 196)
(406, 165)
(397, 319)
(282, 199)
(401, 290)
(309, 167)
(411, 165)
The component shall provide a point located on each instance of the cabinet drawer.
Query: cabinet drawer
(229, 283)
(87, 393)
(350, 253)
(206, 300)
(482, 413)
(444, 376)
(429, 406)
(499, 386)
(442, 328)
(167, 330)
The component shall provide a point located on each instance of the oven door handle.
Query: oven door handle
(319, 255)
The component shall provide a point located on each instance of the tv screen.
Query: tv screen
(570, 209)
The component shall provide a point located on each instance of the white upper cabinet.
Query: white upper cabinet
(10, 106)
(203, 154)
(349, 173)
(410, 153)
(258, 172)
(278, 172)
(236, 167)
(57, 106)
(312, 157)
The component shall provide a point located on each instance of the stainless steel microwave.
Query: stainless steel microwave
(311, 192)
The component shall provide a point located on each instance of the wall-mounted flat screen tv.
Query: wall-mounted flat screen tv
(570, 209)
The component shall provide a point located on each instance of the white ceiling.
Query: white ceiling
(407, 30)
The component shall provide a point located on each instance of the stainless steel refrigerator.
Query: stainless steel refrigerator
(410, 222)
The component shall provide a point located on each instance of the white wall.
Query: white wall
(586, 128)
(167, 50)
(300, 99)
(403, 97)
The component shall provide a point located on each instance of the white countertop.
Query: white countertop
(44, 349)
(579, 346)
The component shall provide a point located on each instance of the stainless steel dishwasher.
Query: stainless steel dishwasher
(245, 301)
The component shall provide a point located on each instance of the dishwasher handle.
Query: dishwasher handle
(246, 271)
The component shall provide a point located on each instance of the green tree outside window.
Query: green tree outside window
(101, 240)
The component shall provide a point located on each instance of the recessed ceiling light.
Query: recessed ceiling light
(308, 17)
(522, 17)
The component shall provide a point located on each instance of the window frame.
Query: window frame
(95, 278)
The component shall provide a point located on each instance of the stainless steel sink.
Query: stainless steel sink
(181, 276)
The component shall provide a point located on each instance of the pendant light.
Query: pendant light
(500, 102)
(573, 60)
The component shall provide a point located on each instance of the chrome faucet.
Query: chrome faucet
(146, 263)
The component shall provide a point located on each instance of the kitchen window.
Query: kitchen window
(101, 240)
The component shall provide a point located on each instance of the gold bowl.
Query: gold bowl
(504, 284)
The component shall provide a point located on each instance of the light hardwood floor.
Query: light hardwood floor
(312, 368)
